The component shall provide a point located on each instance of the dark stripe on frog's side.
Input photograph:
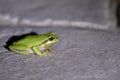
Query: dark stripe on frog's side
(44, 41)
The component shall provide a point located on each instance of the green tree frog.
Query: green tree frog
(35, 44)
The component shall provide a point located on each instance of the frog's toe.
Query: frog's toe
(43, 54)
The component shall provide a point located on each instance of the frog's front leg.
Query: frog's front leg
(39, 51)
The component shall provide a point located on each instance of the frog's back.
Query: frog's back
(32, 40)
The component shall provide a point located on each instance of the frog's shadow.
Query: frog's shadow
(16, 38)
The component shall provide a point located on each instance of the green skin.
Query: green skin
(35, 44)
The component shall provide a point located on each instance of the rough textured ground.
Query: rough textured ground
(80, 54)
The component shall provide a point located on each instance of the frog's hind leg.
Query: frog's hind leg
(21, 50)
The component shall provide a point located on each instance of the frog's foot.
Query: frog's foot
(41, 51)
(45, 51)
(48, 50)
(43, 54)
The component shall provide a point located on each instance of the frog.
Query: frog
(40, 44)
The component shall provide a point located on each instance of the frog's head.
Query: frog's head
(53, 38)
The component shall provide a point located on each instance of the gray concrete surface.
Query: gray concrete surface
(81, 54)
(55, 12)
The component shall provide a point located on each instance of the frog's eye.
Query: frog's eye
(51, 38)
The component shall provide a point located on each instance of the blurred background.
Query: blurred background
(101, 14)
(89, 45)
